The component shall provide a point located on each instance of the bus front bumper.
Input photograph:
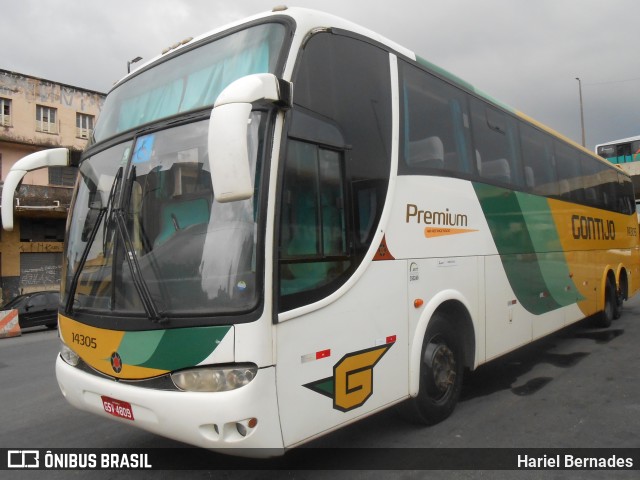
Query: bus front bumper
(239, 422)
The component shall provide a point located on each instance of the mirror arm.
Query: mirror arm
(55, 157)
(257, 88)
(285, 89)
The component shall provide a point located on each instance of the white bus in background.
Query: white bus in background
(291, 223)
(621, 151)
(624, 153)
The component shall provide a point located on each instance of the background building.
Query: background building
(37, 114)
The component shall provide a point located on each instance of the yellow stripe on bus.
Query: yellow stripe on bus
(96, 346)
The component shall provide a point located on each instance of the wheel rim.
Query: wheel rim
(441, 370)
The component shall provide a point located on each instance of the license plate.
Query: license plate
(117, 408)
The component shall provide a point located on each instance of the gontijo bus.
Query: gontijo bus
(291, 223)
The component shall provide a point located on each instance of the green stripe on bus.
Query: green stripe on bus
(137, 347)
(530, 251)
(444, 73)
(170, 349)
(551, 258)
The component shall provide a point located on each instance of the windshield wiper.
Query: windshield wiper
(131, 257)
(139, 283)
(112, 213)
(92, 237)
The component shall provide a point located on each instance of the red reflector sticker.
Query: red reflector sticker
(323, 354)
(391, 339)
(117, 408)
(311, 357)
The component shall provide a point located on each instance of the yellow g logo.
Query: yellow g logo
(352, 381)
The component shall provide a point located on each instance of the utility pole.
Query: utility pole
(581, 109)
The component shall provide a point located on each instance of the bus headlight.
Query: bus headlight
(69, 355)
(214, 379)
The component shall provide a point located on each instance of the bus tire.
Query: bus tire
(441, 371)
(619, 294)
(604, 318)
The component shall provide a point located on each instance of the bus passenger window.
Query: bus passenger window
(593, 180)
(435, 125)
(496, 142)
(625, 199)
(608, 152)
(609, 188)
(624, 153)
(538, 161)
(570, 175)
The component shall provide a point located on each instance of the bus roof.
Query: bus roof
(308, 20)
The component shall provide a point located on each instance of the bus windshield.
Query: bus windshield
(191, 80)
(146, 235)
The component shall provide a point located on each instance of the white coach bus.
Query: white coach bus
(291, 223)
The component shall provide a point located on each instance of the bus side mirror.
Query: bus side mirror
(228, 126)
(55, 157)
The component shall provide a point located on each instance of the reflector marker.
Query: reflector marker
(386, 341)
(310, 357)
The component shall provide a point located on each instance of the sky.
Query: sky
(526, 53)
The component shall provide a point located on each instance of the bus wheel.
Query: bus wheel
(617, 311)
(606, 316)
(441, 372)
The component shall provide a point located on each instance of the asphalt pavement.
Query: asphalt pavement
(578, 388)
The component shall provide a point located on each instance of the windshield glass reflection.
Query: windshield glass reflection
(164, 232)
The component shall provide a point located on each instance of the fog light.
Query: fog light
(246, 426)
(69, 355)
(214, 379)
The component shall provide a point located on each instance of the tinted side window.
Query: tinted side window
(626, 198)
(608, 152)
(538, 161)
(609, 190)
(592, 174)
(335, 171)
(624, 153)
(435, 125)
(570, 176)
(347, 82)
(495, 138)
(38, 300)
(601, 187)
(53, 298)
(313, 234)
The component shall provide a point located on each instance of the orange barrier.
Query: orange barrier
(9, 326)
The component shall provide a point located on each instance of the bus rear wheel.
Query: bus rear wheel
(441, 371)
(620, 296)
(606, 316)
